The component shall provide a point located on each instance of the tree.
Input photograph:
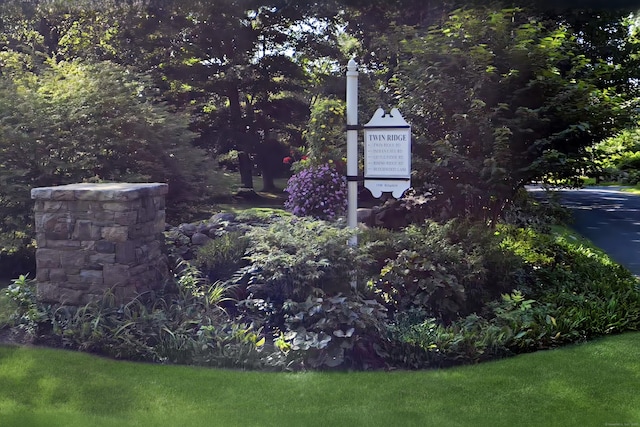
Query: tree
(230, 64)
(498, 98)
(74, 121)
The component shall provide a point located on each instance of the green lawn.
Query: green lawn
(635, 189)
(593, 384)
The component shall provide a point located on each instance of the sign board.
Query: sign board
(387, 154)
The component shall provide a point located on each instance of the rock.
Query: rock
(187, 229)
(202, 228)
(200, 239)
(392, 216)
(365, 215)
(223, 216)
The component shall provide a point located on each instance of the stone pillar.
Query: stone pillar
(94, 237)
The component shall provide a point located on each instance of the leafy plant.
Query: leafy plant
(294, 258)
(186, 327)
(508, 98)
(325, 131)
(221, 256)
(22, 291)
(448, 270)
(73, 121)
(338, 331)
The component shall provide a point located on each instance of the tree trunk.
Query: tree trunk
(235, 120)
(246, 169)
(268, 185)
(269, 160)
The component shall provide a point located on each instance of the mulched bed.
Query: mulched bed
(20, 336)
(11, 336)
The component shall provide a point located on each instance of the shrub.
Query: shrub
(448, 270)
(418, 341)
(222, 256)
(186, 327)
(299, 290)
(28, 313)
(294, 258)
(78, 121)
(228, 161)
(529, 212)
(325, 131)
(339, 331)
(381, 244)
(318, 191)
(574, 293)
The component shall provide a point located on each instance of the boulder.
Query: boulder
(200, 239)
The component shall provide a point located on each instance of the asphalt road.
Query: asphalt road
(610, 219)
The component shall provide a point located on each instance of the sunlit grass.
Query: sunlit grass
(590, 384)
(634, 190)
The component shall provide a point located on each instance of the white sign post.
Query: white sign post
(387, 146)
(387, 154)
(352, 148)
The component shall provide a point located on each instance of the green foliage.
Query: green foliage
(338, 331)
(76, 121)
(618, 158)
(325, 132)
(529, 212)
(296, 257)
(7, 308)
(228, 161)
(457, 293)
(572, 293)
(299, 288)
(28, 312)
(222, 256)
(497, 99)
(448, 270)
(261, 215)
(186, 327)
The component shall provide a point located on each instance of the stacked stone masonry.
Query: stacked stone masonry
(94, 237)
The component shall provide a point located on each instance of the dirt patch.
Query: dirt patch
(43, 336)
(15, 336)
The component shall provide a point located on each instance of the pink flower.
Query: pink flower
(287, 160)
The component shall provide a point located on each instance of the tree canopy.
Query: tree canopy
(499, 94)
(500, 98)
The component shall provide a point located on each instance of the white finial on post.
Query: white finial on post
(352, 147)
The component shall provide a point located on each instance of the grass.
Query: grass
(634, 190)
(592, 181)
(626, 187)
(592, 384)
(577, 240)
(224, 196)
(227, 183)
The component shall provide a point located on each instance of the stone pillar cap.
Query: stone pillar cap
(115, 191)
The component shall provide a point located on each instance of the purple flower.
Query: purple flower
(318, 191)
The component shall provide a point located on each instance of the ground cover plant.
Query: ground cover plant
(290, 294)
(591, 384)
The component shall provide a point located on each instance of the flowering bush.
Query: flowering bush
(318, 191)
